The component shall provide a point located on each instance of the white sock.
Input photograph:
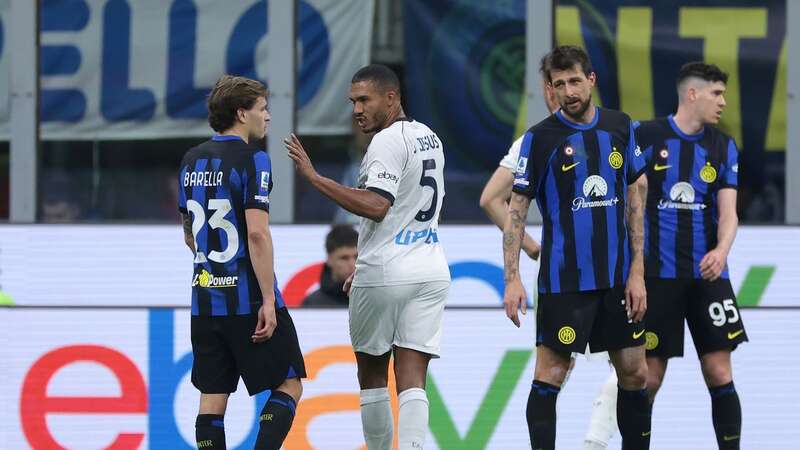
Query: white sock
(413, 423)
(376, 419)
(603, 424)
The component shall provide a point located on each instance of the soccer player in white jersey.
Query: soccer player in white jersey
(402, 278)
(494, 201)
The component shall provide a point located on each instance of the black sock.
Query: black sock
(726, 413)
(541, 414)
(633, 418)
(209, 430)
(275, 421)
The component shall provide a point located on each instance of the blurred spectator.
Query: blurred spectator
(350, 177)
(340, 245)
(60, 202)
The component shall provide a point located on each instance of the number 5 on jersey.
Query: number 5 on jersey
(427, 180)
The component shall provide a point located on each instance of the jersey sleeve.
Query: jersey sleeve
(523, 173)
(510, 160)
(637, 159)
(386, 158)
(182, 188)
(259, 182)
(730, 170)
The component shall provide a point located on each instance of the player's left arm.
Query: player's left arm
(713, 262)
(363, 202)
(635, 292)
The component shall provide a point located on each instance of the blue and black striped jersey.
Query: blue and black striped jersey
(579, 174)
(219, 179)
(684, 174)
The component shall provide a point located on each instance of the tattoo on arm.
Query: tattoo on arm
(188, 237)
(513, 234)
(634, 212)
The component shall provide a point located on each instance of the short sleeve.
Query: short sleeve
(730, 170)
(258, 182)
(510, 160)
(637, 160)
(386, 158)
(523, 174)
(182, 183)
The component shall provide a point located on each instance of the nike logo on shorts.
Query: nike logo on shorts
(638, 335)
(659, 167)
(732, 336)
(730, 438)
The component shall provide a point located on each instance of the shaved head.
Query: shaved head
(698, 75)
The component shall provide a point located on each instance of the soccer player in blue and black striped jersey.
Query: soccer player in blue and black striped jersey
(582, 166)
(690, 226)
(240, 326)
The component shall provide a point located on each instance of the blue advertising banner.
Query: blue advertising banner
(123, 69)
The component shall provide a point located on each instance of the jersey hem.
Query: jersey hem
(401, 282)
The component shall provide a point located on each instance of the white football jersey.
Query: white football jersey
(512, 157)
(405, 164)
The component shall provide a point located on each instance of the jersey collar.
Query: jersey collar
(677, 130)
(579, 126)
(227, 137)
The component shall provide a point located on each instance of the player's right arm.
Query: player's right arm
(186, 219)
(514, 297)
(188, 237)
(363, 202)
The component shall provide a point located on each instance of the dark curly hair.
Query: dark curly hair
(565, 57)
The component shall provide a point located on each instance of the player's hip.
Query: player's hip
(402, 270)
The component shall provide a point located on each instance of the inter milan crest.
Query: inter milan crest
(708, 173)
(615, 159)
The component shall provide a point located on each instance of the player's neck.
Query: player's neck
(393, 116)
(586, 118)
(687, 123)
(236, 131)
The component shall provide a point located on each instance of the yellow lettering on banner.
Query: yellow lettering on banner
(320, 405)
(721, 28)
(522, 117)
(635, 74)
(568, 32)
(776, 126)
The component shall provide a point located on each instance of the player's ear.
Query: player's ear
(241, 115)
(691, 94)
(391, 97)
(592, 78)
